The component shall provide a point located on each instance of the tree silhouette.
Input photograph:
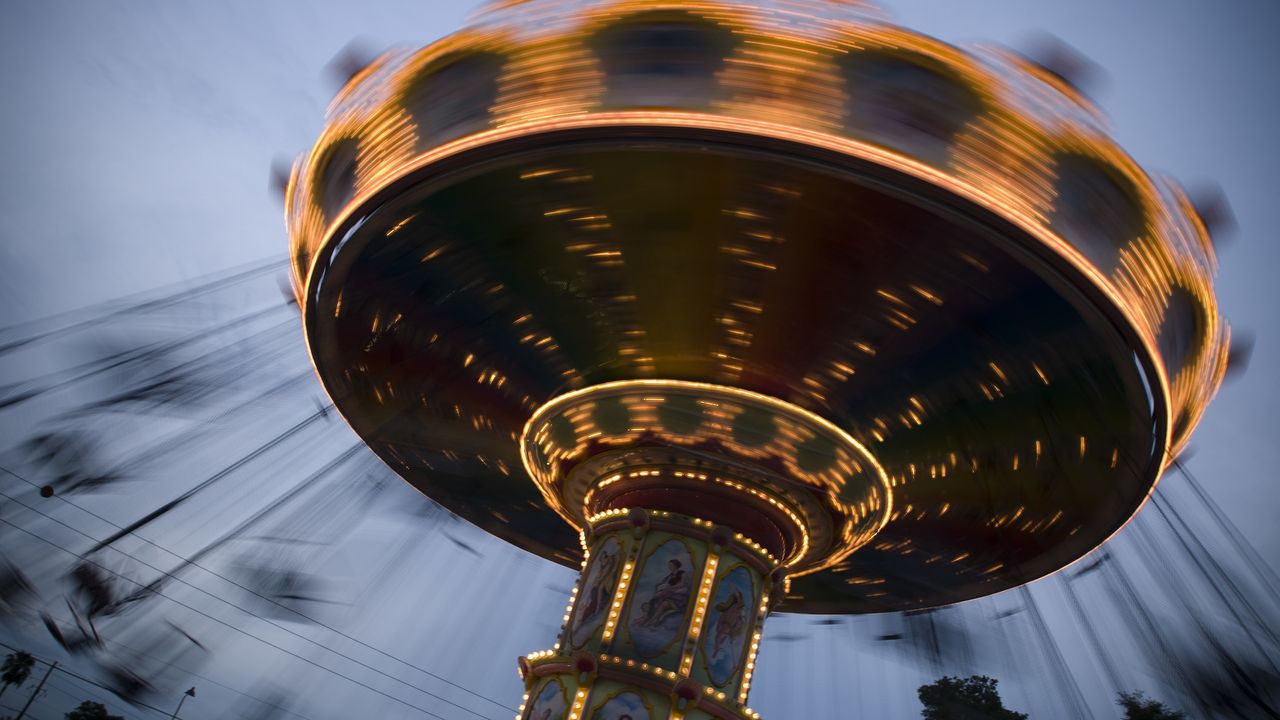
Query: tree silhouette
(90, 710)
(971, 698)
(17, 668)
(1138, 707)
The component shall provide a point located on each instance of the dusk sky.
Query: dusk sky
(137, 142)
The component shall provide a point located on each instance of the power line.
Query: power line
(75, 675)
(298, 489)
(179, 438)
(123, 358)
(295, 611)
(246, 633)
(265, 447)
(185, 293)
(95, 694)
(152, 588)
(130, 530)
(139, 653)
(211, 681)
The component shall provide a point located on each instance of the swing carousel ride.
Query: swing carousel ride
(744, 308)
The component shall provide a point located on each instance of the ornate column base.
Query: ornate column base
(697, 502)
(664, 624)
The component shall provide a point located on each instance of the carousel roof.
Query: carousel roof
(939, 252)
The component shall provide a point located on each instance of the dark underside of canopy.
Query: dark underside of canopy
(998, 390)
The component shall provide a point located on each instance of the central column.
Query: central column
(664, 623)
(695, 503)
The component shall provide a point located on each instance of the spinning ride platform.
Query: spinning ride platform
(743, 308)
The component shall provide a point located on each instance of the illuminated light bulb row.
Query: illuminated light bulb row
(611, 624)
(795, 518)
(755, 546)
(586, 502)
(750, 667)
(542, 654)
(524, 702)
(619, 512)
(699, 614)
(579, 700)
(852, 460)
(739, 537)
(573, 596)
(703, 477)
(642, 666)
(606, 514)
(664, 673)
(645, 667)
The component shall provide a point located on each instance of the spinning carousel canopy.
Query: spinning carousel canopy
(939, 253)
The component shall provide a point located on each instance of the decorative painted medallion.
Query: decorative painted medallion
(727, 625)
(662, 595)
(550, 704)
(623, 706)
(593, 602)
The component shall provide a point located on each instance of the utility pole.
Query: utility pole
(31, 699)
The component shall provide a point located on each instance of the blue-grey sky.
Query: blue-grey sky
(135, 144)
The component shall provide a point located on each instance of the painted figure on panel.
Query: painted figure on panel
(669, 596)
(663, 589)
(624, 706)
(733, 618)
(550, 704)
(727, 623)
(597, 592)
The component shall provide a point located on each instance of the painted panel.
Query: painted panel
(592, 606)
(661, 598)
(551, 702)
(624, 706)
(727, 625)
